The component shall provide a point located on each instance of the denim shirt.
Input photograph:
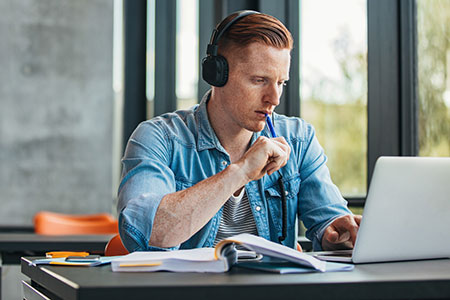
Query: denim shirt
(176, 150)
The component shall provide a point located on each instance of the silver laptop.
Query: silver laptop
(406, 215)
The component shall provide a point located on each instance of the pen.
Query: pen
(282, 188)
(270, 125)
(57, 254)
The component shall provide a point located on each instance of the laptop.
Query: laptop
(406, 214)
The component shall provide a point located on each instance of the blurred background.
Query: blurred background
(76, 77)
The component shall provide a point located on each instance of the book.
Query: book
(82, 262)
(216, 260)
(268, 264)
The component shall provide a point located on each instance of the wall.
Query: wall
(56, 107)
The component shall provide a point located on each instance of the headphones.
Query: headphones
(214, 66)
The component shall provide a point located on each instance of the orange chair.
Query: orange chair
(115, 247)
(51, 223)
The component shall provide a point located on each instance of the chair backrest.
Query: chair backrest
(115, 247)
(51, 223)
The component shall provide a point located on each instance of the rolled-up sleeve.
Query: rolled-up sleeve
(320, 200)
(146, 179)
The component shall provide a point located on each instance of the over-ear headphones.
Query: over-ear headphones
(214, 66)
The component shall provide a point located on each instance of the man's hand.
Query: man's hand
(266, 155)
(341, 234)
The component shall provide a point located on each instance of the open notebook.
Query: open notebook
(218, 259)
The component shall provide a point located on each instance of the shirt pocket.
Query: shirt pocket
(274, 201)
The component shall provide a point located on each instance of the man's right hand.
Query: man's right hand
(265, 156)
(178, 216)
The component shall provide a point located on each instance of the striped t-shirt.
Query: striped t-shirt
(237, 217)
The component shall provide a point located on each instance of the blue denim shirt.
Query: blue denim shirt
(176, 150)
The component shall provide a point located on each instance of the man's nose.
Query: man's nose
(273, 94)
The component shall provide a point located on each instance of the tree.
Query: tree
(433, 27)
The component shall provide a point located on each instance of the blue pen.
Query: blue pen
(269, 123)
(282, 189)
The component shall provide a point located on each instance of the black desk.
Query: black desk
(402, 280)
(16, 229)
(13, 245)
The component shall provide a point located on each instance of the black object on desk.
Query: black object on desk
(16, 229)
(399, 280)
(14, 244)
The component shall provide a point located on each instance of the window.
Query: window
(433, 30)
(150, 58)
(187, 53)
(333, 86)
(357, 117)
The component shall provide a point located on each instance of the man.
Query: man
(195, 176)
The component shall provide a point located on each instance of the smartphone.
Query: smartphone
(89, 258)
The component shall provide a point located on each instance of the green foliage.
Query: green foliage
(433, 29)
(341, 128)
(342, 132)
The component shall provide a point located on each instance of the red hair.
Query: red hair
(256, 28)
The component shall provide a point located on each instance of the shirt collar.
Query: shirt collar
(207, 138)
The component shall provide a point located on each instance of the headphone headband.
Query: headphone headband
(217, 34)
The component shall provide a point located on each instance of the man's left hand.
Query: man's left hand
(341, 234)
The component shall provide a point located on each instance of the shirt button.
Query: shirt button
(258, 208)
(224, 163)
(286, 193)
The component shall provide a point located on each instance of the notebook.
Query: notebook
(406, 215)
(218, 259)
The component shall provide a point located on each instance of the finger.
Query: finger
(344, 237)
(277, 159)
(281, 142)
(271, 170)
(353, 231)
(347, 224)
(285, 159)
(272, 167)
(337, 237)
(277, 152)
(333, 237)
(358, 219)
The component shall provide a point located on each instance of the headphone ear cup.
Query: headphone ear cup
(215, 70)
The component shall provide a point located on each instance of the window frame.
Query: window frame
(392, 100)
(392, 80)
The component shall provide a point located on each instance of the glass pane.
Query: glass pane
(433, 29)
(187, 53)
(333, 86)
(150, 84)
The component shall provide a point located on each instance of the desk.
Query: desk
(13, 245)
(16, 229)
(400, 280)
